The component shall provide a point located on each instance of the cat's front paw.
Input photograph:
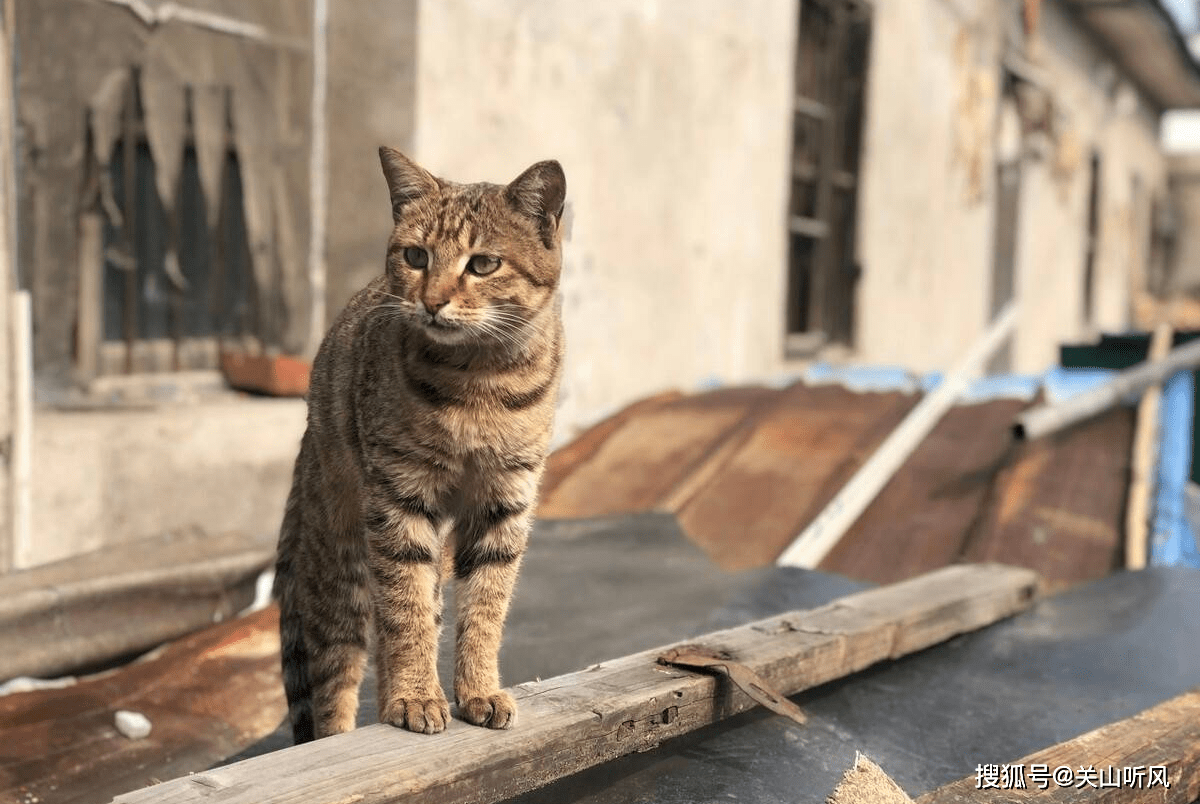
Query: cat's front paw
(422, 715)
(496, 711)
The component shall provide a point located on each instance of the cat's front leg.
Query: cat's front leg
(405, 550)
(491, 539)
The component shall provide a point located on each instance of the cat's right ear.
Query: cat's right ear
(406, 180)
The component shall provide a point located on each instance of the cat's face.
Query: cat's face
(473, 263)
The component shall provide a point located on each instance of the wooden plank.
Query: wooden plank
(1057, 506)
(702, 471)
(207, 696)
(1166, 736)
(1145, 438)
(798, 456)
(631, 704)
(568, 457)
(822, 534)
(639, 464)
(123, 599)
(922, 517)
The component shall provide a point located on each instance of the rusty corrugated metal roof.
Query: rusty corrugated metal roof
(745, 469)
(207, 696)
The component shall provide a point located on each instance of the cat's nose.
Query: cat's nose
(433, 307)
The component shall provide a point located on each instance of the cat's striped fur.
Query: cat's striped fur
(429, 415)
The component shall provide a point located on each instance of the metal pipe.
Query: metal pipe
(823, 533)
(1046, 419)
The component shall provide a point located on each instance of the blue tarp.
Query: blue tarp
(1172, 541)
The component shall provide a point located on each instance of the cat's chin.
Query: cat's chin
(441, 333)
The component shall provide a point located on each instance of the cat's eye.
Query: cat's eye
(483, 264)
(416, 257)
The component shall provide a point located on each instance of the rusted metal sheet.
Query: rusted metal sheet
(803, 448)
(638, 465)
(207, 696)
(569, 457)
(1058, 507)
(922, 517)
(746, 469)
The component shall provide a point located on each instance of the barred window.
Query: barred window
(175, 287)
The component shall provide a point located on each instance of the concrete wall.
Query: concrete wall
(928, 186)
(109, 477)
(372, 92)
(672, 122)
(924, 231)
(1184, 269)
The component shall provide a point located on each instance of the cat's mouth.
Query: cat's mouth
(444, 331)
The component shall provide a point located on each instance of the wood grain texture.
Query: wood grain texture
(640, 463)
(1058, 504)
(801, 451)
(122, 599)
(578, 720)
(566, 459)
(921, 518)
(1167, 735)
(1141, 481)
(207, 695)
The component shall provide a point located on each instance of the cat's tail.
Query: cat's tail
(297, 685)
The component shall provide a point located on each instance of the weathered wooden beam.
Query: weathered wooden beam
(1142, 459)
(631, 704)
(124, 598)
(1165, 737)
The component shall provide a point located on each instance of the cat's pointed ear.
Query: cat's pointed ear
(406, 180)
(539, 193)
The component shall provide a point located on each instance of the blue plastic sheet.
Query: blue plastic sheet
(1173, 542)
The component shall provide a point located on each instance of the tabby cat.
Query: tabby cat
(429, 415)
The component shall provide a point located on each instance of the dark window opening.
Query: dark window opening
(1091, 247)
(830, 89)
(1005, 232)
(175, 286)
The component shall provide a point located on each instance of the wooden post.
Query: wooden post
(575, 721)
(823, 533)
(1145, 437)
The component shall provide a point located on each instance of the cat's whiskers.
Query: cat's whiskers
(496, 333)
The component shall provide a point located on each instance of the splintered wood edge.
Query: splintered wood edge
(1166, 735)
(574, 721)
